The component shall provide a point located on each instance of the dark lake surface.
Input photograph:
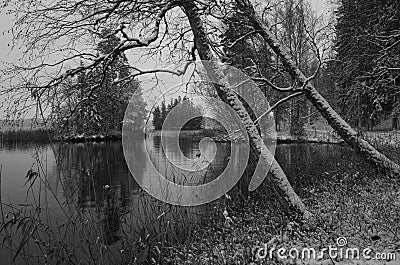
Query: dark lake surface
(90, 182)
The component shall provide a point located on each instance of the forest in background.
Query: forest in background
(185, 114)
(360, 75)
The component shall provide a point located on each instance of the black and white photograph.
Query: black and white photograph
(200, 132)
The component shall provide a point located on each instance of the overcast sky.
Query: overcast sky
(6, 55)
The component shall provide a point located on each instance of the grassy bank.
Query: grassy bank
(349, 200)
(366, 217)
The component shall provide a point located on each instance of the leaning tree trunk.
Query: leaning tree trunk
(229, 96)
(349, 135)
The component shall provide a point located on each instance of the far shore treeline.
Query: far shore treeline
(179, 113)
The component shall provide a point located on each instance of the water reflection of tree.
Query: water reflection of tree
(120, 209)
(200, 157)
(95, 177)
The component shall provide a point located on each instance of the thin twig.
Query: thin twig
(278, 103)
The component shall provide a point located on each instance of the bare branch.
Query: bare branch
(245, 36)
(273, 86)
(297, 94)
(154, 71)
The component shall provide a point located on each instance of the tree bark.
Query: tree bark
(229, 96)
(350, 136)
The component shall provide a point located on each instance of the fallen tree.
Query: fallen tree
(278, 177)
(349, 135)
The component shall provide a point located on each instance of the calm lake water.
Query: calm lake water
(91, 181)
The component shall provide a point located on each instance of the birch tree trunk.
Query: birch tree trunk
(278, 177)
(349, 135)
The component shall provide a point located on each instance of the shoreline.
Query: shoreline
(197, 135)
(377, 139)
